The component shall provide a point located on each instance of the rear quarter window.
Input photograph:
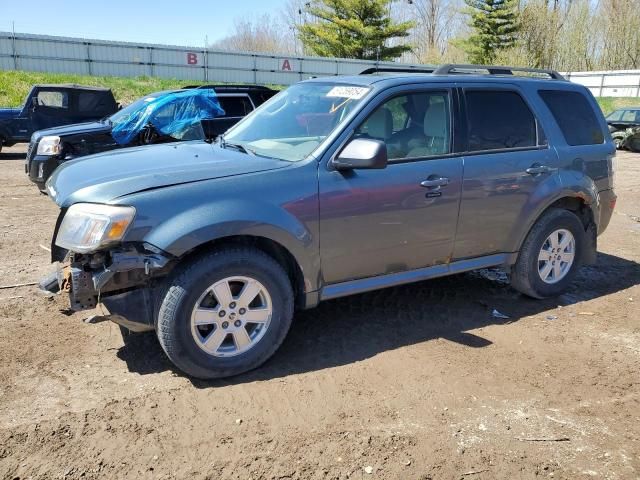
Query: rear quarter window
(575, 117)
(92, 102)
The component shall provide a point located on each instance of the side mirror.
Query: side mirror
(34, 103)
(362, 153)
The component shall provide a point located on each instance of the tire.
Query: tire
(618, 143)
(191, 285)
(526, 274)
(125, 332)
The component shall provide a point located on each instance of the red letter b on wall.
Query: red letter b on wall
(192, 58)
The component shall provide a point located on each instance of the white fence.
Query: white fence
(43, 53)
(611, 83)
(98, 57)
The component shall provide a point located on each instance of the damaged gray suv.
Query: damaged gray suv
(335, 186)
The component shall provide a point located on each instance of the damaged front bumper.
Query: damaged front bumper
(125, 281)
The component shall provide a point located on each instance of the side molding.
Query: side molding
(391, 280)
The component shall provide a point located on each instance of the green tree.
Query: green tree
(495, 26)
(353, 29)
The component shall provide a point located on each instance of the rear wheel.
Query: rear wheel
(550, 256)
(225, 313)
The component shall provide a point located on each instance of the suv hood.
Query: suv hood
(105, 177)
(75, 129)
(6, 113)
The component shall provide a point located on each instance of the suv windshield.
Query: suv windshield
(293, 123)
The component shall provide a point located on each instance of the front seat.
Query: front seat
(436, 131)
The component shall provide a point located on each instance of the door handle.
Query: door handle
(435, 182)
(537, 169)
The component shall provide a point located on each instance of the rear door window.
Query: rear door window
(235, 106)
(499, 120)
(574, 116)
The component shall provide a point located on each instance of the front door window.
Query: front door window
(413, 126)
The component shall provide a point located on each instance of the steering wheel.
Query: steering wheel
(148, 134)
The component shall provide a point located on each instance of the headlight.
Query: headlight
(49, 145)
(88, 226)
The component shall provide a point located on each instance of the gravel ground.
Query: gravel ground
(418, 382)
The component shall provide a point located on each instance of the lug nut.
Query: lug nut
(243, 311)
(237, 323)
(222, 313)
(225, 324)
(232, 305)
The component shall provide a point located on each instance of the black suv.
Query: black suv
(336, 186)
(160, 117)
(49, 106)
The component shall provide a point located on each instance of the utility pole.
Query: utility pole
(13, 44)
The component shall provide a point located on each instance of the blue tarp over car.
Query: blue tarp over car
(174, 114)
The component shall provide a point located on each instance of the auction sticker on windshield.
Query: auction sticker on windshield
(348, 92)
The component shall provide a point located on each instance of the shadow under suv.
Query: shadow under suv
(336, 186)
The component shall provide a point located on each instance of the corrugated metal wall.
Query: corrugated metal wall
(43, 53)
(611, 83)
(122, 59)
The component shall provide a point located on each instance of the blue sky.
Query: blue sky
(182, 22)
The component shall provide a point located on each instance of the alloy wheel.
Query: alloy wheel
(231, 316)
(556, 256)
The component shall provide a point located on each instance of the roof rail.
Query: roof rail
(224, 85)
(452, 68)
(372, 70)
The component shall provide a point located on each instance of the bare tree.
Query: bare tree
(437, 22)
(265, 34)
(621, 34)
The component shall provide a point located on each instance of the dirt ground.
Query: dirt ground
(418, 382)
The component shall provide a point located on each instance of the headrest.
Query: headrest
(435, 120)
(380, 124)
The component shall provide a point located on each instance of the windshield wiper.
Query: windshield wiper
(241, 148)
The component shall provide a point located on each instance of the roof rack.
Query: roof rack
(223, 86)
(372, 70)
(452, 68)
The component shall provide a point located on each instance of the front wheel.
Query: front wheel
(225, 313)
(550, 256)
